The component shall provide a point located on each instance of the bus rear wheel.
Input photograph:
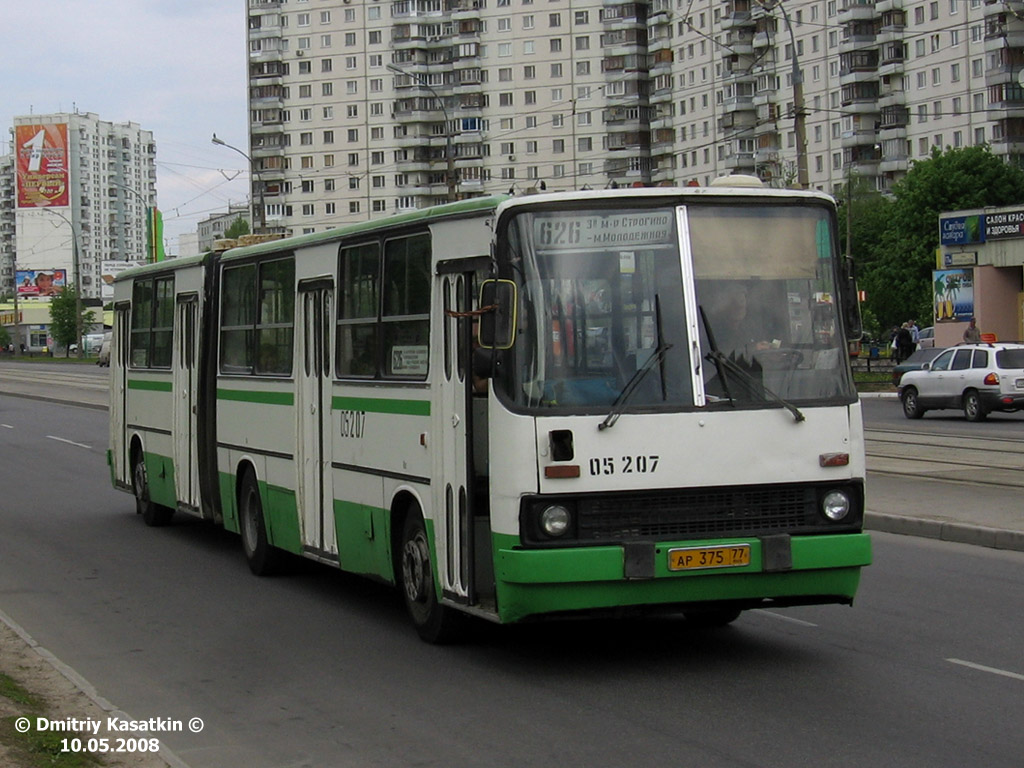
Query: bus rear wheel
(264, 559)
(434, 622)
(153, 514)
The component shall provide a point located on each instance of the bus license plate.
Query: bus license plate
(694, 558)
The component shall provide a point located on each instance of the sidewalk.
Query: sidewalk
(985, 516)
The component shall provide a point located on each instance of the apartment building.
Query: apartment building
(6, 226)
(83, 189)
(364, 108)
(214, 226)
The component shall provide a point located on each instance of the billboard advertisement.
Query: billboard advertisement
(111, 269)
(40, 282)
(953, 294)
(962, 230)
(42, 163)
(1002, 226)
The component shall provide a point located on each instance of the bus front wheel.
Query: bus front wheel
(434, 622)
(153, 514)
(263, 558)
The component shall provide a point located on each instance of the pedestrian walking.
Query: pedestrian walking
(972, 333)
(904, 343)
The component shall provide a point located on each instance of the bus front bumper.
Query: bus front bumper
(781, 570)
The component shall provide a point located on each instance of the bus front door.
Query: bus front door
(313, 412)
(186, 387)
(453, 499)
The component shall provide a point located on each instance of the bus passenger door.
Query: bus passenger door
(313, 413)
(453, 500)
(186, 386)
(120, 343)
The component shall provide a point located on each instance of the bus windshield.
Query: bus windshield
(703, 306)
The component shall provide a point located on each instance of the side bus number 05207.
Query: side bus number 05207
(624, 465)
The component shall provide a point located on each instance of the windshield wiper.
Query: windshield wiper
(631, 385)
(753, 384)
(634, 381)
(723, 362)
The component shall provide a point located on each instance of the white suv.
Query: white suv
(980, 378)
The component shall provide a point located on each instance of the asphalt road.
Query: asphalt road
(318, 668)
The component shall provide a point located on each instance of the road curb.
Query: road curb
(960, 533)
(86, 688)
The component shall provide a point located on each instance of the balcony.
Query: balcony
(857, 10)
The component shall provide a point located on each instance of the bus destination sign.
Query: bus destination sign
(628, 230)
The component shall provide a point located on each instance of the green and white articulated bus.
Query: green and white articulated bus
(553, 405)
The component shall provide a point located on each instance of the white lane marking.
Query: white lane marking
(774, 615)
(69, 442)
(6, 426)
(983, 668)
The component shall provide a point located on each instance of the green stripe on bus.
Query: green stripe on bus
(255, 396)
(152, 386)
(382, 405)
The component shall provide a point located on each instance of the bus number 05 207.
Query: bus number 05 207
(624, 465)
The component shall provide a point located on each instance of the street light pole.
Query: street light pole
(449, 156)
(252, 178)
(78, 283)
(151, 250)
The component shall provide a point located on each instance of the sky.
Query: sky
(174, 67)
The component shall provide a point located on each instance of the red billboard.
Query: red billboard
(42, 165)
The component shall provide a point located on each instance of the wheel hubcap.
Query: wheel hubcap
(414, 568)
(141, 491)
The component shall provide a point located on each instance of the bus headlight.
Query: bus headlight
(555, 520)
(836, 505)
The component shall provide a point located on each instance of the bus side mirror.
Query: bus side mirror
(498, 323)
(851, 303)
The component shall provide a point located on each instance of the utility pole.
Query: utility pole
(77, 278)
(799, 113)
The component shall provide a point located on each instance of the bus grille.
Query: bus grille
(699, 513)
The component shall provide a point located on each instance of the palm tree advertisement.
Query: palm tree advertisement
(953, 295)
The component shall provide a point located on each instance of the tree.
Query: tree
(63, 327)
(895, 244)
(870, 212)
(238, 228)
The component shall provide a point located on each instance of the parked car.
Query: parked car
(979, 378)
(926, 339)
(913, 363)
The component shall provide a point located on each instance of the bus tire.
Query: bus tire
(153, 514)
(264, 559)
(710, 618)
(435, 623)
